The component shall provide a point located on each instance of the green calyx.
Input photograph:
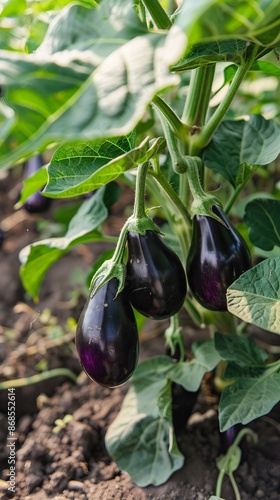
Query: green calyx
(202, 202)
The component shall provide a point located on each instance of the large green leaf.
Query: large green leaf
(255, 295)
(70, 95)
(253, 394)
(82, 167)
(38, 257)
(101, 30)
(257, 21)
(141, 439)
(239, 142)
(143, 431)
(262, 217)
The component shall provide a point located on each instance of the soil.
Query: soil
(71, 461)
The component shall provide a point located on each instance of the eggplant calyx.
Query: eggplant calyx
(108, 270)
(141, 224)
(205, 205)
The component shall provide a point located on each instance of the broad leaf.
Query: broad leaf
(262, 217)
(143, 433)
(191, 373)
(38, 257)
(71, 96)
(208, 20)
(254, 141)
(101, 30)
(253, 394)
(212, 52)
(80, 168)
(239, 349)
(32, 184)
(255, 295)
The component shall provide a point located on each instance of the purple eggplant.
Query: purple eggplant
(107, 338)
(218, 255)
(155, 275)
(2, 236)
(36, 202)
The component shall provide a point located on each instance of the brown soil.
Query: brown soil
(73, 463)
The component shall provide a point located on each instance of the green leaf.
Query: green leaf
(32, 184)
(80, 168)
(141, 439)
(262, 217)
(253, 394)
(101, 30)
(255, 295)
(254, 141)
(143, 431)
(208, 20)
(38, 257)
(71, 96)
(239, 349)
(212, 52)
(191, 373)
(230, 462)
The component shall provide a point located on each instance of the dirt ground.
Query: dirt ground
(72, 462)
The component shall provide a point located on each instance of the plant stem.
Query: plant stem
(177, 160)
(40, 377)
(219, 483)
(158, 14)
(199, 141)
(197, 101)
(139, 202)
(180, 129)
(234, 486)
(171, 194)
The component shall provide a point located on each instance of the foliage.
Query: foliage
(105, 87)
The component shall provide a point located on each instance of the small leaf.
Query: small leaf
(32, 184)
(262, 217)
(254, 141)
(230, 462)
(253, 394)
(255, 295)
(239, 349)
(38, 257)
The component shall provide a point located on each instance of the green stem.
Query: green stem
(180, 129)
(199, 141)
(177, 160)
(171, 194)
(234, 486)
(139, 201)
(158, 14)
(40, 377)
(173, 337)
(220, 483)
(197, 101)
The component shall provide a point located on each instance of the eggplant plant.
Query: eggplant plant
(180, 102)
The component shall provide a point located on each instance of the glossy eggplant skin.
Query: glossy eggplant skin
(107, 338)
(155, 276)
(218, 255)
(36, 202)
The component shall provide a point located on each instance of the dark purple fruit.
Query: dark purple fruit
(218, 256)
(107, 337)
(36, 202)
(155, 276)
(2, 236)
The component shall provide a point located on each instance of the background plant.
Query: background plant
(108, 86)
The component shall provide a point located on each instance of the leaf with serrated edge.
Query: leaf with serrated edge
(262, 217)
(255, 296)
(249, 398)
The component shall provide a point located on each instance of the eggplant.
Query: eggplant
(2, 236)
(36, 202)
(218, 255)
(155, 275)
(107, 338)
